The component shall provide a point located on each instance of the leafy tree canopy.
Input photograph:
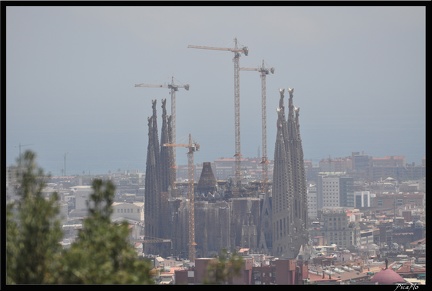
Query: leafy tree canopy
(33, 228)
(101, 254)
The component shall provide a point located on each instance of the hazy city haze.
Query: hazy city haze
(358, 75)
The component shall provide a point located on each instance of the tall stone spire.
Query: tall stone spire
(164, 151)
(289, 199)
(165, 216)
(299, 202)
(302, 183)
(281, 190)
(155, 140)
(152, 183)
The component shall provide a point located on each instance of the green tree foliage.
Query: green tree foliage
(33, 228)
(102, 252)
(11, 247)
(224, 268)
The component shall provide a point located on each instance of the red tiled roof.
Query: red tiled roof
(409, 268)
(387, 277)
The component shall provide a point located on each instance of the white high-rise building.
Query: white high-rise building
(312, 201)
(328, 190)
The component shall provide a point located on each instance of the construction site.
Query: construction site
(200, 217)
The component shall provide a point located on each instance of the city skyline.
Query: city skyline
(71, 73)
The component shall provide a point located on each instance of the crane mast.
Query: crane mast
(173, 89)
(237, 52)
(192, 147)
(264, 161)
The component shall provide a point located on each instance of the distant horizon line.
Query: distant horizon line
(141, 169)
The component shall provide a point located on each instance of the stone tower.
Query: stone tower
(289, 204)
(152, 184)
(158, 177)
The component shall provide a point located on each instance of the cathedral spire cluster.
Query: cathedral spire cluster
(289, 192)
(274, 224)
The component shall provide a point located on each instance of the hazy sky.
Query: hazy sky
(358, 75)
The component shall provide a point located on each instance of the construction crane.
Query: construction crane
(237, 52)
(192, 147)
(264, 161)
(173, 88)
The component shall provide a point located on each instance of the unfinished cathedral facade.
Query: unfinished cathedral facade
(273, 223)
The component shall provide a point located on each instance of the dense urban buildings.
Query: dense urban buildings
(347, 220)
